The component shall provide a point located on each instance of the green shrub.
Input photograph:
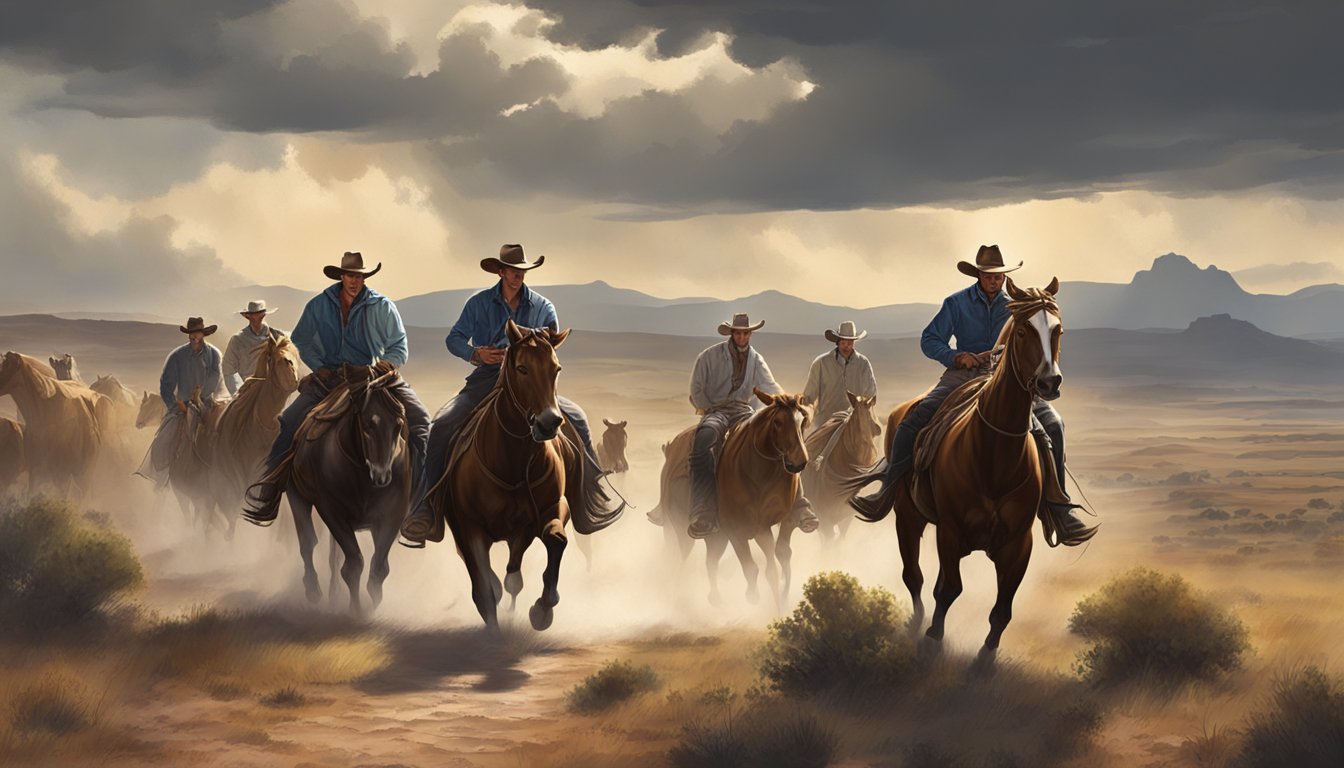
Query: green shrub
(840, 635)
(610, 685)
(1155, 626)
(56, 705)
(58, 569)
(1304, 726)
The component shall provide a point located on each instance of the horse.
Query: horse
(516, 472)
(66, 369)
(249, 422)
(63, 421)
(351, 460)
(853, 451)
(982, 482)
(190, 470)
(611, 449)
(149, 412)
(757, 480)
(13, 461)
(123, 400)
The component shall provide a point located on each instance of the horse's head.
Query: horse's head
(529, 371)
(382, 427)
(281, 364)
(65, 367)
(1034, 338)
(863, 413)
(151, 409)
(614, 440)
(785, 417)
(9, 367)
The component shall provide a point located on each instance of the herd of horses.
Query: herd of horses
(517, 472)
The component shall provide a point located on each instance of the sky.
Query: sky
(849, 153)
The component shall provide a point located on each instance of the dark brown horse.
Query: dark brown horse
(611, 449)
(983, 481)
(351, 460)
(851, 451)
(516, 473)
(757, 479)
(189, 471)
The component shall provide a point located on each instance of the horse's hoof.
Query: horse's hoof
(984, 663)
(314, 596)
(930, 647)
(541, 616)
(513, 582)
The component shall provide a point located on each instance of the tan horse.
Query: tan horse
(854, 450)
(63, 422)
(149, 412)
(983, 481)
(516, 473)
(123, 401)
(757, 478)
(249, 422)
(13, 461)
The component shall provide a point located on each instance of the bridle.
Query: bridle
(1021, 310)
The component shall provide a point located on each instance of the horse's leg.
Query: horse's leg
(353, 568)
(384, 536)
(334, 563)
(513, 572)
(475, 553)
(714, 547)
(948, 588)
(585, 545)
(749, 568)
(766, 541)
(554, 540)
(784, 551)
(909, 531)
(303, 524)
(1010, 564)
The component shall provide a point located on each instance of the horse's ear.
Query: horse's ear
(515, 333)
(52, 360)
(1053, 287)
(766, 398)
(608, 423)
(854, 399)
(621, 423)
(558, 337)
(1013, 290)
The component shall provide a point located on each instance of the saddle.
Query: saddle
(337, 403)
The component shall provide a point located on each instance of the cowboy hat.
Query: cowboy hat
(987, 259)
(846, 332)
(510, 255)
(352, 261)
(740, 323)
(253, 307)
(197, 324)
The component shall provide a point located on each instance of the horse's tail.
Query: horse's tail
(591, 514)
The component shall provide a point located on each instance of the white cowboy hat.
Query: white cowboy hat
(256, 306)
(846, 332)
(740, 323)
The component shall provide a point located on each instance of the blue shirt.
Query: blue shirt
(484, 316)
(971, 318)
(184, 370)
(373, 331)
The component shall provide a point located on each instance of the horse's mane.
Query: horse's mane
(45, 385)
(794, 402)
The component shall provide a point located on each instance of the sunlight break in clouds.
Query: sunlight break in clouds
(718, 89)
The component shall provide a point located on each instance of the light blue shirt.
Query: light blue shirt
(184, 370)
(483, 319)
(373, 331)
(969, 316)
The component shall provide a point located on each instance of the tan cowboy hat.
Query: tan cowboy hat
(740, 323)
(987, 259)
(510, 255)
(352, 261)
(253, 307)
(197, 324)
(846, 332)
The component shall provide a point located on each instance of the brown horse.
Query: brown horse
(149, 412)
(757, 479)
(248, 424)
(189, 473)
(63, 422)
(12, 458)
(852, 452)
(351, 460)
(123, 401)
(983, 481)
(516, 473)
(611, 449)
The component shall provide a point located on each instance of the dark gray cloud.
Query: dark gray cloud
(959, 103)
(134, 268)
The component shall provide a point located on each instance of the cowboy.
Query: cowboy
(974, 315)
(348, 323)
(478, 337)
(840, 370)
(192, 365)
(244, 347)
(721, 390)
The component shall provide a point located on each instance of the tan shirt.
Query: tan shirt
(831, 376)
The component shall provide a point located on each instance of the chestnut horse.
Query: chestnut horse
(757, 480)
(516, 472)
(351, 460)
(852, 452)
(983, 481)
(63, 422)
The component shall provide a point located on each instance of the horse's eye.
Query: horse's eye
(1021, 332)
(521, 369)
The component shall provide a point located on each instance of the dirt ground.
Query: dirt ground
(1238, 487)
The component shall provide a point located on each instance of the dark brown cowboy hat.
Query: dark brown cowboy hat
(987, 259)
(740, 323)
(197, 324)
(510, 255)
(352, 261)
(846, 332)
